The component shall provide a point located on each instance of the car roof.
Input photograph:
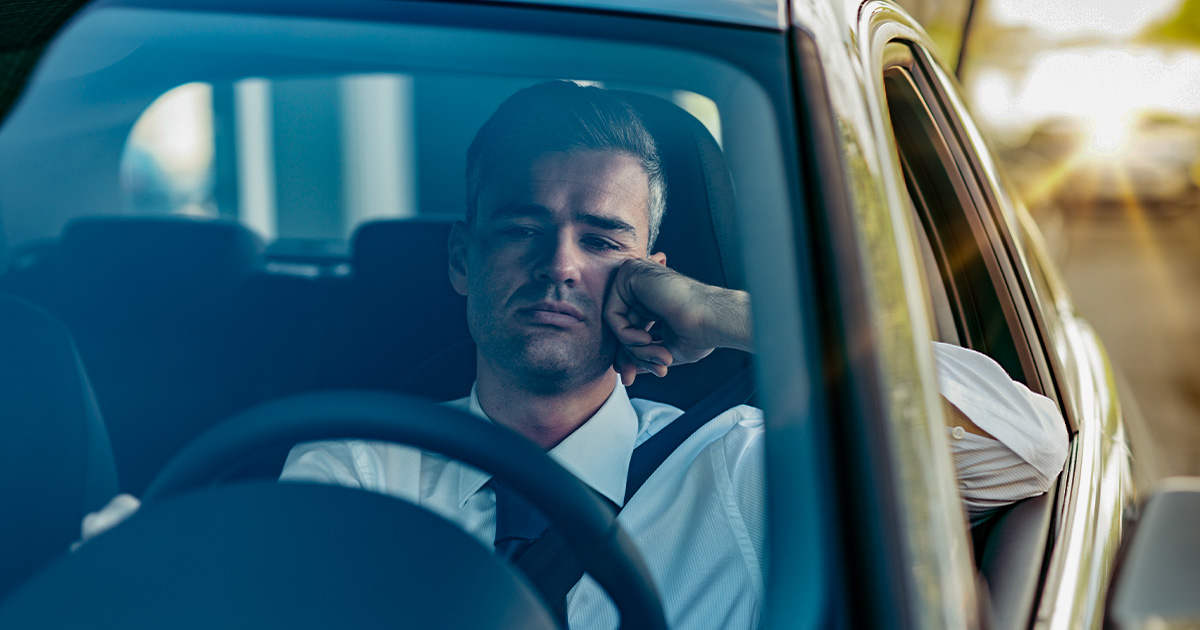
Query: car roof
(770, 14)
(764, 14)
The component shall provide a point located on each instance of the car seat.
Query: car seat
(56, 464)
(397, 309)
(150, 302)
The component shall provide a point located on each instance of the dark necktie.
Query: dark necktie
(518, 526)
(518, 523)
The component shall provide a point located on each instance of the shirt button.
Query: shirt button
(958, 433)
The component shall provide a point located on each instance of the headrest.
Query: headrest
(151, 269)
(399, 256)
(398, 260)
(55, 460)
(698, 234)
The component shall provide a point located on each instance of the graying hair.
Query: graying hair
(561, 116)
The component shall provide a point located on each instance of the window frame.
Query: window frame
(906, 59)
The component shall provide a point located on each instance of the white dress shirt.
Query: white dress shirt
(1031, 436)
(700, 519)
(713, 483)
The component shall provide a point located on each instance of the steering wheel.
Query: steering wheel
(587, 523)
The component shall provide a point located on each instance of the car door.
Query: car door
(909, 561)
(1006, 301)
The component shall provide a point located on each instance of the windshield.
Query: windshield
(227, 209)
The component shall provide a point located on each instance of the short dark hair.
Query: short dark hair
(561, 116)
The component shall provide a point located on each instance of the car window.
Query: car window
(972, 238)
(987, 304)
(354, 172)
(303, 161)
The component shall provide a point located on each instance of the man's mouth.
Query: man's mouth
(549, 313)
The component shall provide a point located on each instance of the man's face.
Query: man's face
(536, 265)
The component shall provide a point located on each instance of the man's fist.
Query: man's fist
(693, 318)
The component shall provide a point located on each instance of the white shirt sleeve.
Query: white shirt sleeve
(328, 462)
(1031, 436)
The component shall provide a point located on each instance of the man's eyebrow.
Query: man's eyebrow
(611, 224)
(519, 210)
(533, 210)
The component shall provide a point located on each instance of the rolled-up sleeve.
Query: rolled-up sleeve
(1030, 445)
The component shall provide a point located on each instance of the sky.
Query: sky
(1116, 18)
(1106, 86)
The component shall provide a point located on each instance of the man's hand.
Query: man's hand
(121, 507)
(694, 318)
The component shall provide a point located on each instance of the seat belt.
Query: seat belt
(549, 563)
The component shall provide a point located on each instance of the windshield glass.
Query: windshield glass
(228, 209)
(303, 161)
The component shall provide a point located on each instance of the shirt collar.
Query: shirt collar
(597, 452)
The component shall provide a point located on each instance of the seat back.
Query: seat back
(397, 308)
(56, 464)
(698, 235)
(149, 273)
(150, 302)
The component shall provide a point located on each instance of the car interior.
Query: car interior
(181, 322)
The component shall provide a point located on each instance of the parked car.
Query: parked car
(232, 204)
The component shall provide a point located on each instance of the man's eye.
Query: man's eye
(519, 231)
(598, 243)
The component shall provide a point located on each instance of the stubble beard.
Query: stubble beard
(546, 362)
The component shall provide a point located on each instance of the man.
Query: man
(564, 198)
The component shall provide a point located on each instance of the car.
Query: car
(238, 212)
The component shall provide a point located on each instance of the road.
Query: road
(1136, 277)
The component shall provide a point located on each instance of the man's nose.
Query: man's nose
(561, 262)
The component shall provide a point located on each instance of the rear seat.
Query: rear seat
(283, 325)
(398, 307)
(150, 304)
(368, 330)
(180, 324)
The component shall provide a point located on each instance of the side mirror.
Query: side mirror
(1157, 578)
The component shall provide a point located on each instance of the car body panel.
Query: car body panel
(933, 549)
(1096, 487)
(1097, 492)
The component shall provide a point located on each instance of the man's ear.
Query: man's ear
(659, 258)
(457, 246)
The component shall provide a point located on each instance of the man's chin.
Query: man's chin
(560, 371)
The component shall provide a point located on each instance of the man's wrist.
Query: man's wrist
(730, 312)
